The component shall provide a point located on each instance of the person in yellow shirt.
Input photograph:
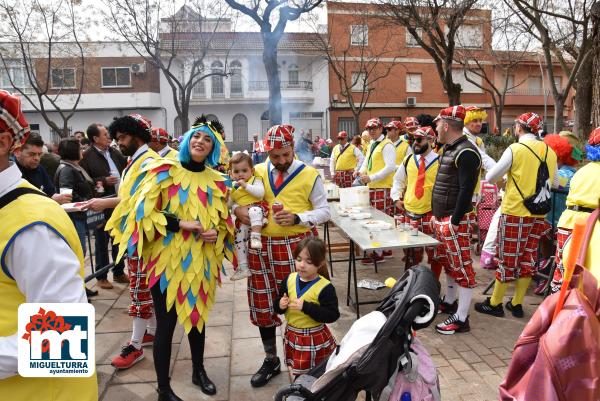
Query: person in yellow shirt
(345, 160)
(412, 191)
(520, 227)
(42, 261)
(296, 196)
(160, 143)
(395, 133)
(365, 140)
(583, 193)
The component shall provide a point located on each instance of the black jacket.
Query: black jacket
(39, 178)
(97, 167)
(67, 176)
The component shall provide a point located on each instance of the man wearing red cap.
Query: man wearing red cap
(521, 224)
(295, 193)
(345, 160)
(394, 130)
(412, 189)
(132, 133)
(453, 215)
(160, 144)
(377, 171)
(42, 261)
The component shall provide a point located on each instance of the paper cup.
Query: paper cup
(66, 191)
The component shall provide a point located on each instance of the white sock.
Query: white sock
(139, 328)
(489, 244)
(464, 302)
(151, 325)
(241, 243)
(451, 293)
(256, 216)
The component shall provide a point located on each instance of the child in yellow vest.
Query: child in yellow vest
(308, 301)
(248, 190)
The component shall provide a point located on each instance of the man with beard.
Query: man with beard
(298, 202)
(412, 189)
(453, 215)
(132, 133)
(345, 160)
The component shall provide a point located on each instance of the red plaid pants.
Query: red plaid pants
(457, 247)
(343, 178)
(306, 348)
(268, 267)
(436, 256)
(141, 299)
(380, 200)
(562, 234)
(517, 245)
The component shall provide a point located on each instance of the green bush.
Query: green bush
(495, 145)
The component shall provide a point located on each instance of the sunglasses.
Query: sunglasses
(419, 139)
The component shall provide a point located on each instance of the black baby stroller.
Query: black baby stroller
(412, 303)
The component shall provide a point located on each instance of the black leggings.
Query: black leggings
(165, 326)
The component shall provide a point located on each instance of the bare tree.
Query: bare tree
(176, 41)
(357, 65)
(563, 30)
(272, 28)
(434, 25)
(43, 57)
(595, 11)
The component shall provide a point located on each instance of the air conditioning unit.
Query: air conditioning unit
(411, 101)
(138, 68)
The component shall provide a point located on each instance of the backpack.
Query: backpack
(560, 360)
(540, 202)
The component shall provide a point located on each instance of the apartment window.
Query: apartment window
(198, 91)
(458, 76)
(411, 41)
(558, 83)
(347, 124)
(116, 77)
(534, 85)
(510, 83)
(413, 82)
(217, 80)
(293, 75)
(12, 72)
(63, 78)
(359, 35)
(469, 36)
(359, 82)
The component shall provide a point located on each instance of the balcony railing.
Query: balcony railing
(528, 92)
(285, 85)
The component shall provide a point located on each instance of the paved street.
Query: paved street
(470, 366)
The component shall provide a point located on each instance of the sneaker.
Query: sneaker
(255, 241)
(486, 261)
(388, 254)
(371, 259)
(269, 369)
(240, 274)
(121, 278)
(105, 284)
(129, 356)
(148, 339)
(517, 310)
(90, 293)
(488, 309)
(453, 325)
(541, 287)
(447, 308)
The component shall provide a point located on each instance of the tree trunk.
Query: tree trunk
(499, 112)
(453, 91)
(357, 123)
(559, 107)
(270, 42)
(595, 12)
(583, 99)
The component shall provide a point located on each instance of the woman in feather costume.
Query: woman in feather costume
(180, 225)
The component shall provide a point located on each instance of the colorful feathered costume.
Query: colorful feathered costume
(182, 264)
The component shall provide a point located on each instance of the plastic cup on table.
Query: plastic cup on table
(414, 227)
(66, 191)
(399, 220)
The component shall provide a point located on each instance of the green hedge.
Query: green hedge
(495, 145)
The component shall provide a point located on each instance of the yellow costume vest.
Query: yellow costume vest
(346, 160)
(377, 164)
(294, 195)
(584, 191)
(411, 202)
(25, 211)
(401, 149)
(172, 154)
(524, 172)
(131, 173)
(310, 293)
(241, 197)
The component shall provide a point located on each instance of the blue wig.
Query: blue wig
(592, 153)
(184, 148)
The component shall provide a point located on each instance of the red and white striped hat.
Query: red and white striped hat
(143, 122)
(530, 120)
(395, 124)
(160, 135)
(373, 123)
(426, 132)
(456, 113)
(279, 136)
(411, 123)
(12, 118)
(594, 139)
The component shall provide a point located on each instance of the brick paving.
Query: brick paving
(470, 365)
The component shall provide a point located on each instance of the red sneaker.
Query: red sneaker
(147, 340)
(370, 260)
(129, 356)
(453, 325)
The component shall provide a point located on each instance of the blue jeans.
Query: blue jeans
(81, 232)
(102, 242)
